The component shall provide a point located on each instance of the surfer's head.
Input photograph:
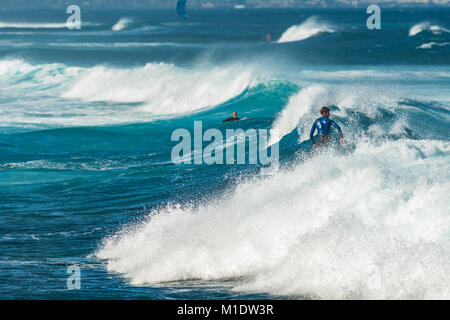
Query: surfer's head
(234, 114)
(325, 111)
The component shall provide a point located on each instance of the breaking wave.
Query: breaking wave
(158, 89)
(307, 29)
(162, 88)
(376, 227)
(122, 24)
(430, 45)
(426, 26)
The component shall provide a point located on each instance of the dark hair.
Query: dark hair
(324, 109)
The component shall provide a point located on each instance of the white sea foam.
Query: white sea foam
(370, 225)
(122, 24)
(305, 30)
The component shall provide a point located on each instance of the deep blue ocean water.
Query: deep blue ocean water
(86, 176)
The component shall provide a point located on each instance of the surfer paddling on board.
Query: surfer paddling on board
(323, 126)
(234, 118)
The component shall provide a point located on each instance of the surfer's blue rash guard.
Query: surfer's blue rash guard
(323, 126)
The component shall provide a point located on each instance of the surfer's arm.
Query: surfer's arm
(311, 134)
(334, 124)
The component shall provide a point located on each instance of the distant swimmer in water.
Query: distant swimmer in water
(234, 118)
(323, 126)
(268, 37)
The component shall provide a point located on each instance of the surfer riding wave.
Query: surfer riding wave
(323, 126)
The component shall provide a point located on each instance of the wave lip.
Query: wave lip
(305, 30)
(122, 24)
(298, 106)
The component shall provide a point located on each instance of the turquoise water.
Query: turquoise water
(86, 176)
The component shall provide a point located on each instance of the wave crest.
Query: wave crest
(426, 26)
(162, 88)
(307, 29)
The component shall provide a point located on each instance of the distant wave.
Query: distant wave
(132, 94)
(372, 74)
(112, 45)
(122, 24)
(159, 90)
(426, 26)
(162, 88)
(430, 45)
(37, 25)
(24, 74)
(92, 165)
(307, 29)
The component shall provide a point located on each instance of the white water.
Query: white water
(305, 30)
(371, 225)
